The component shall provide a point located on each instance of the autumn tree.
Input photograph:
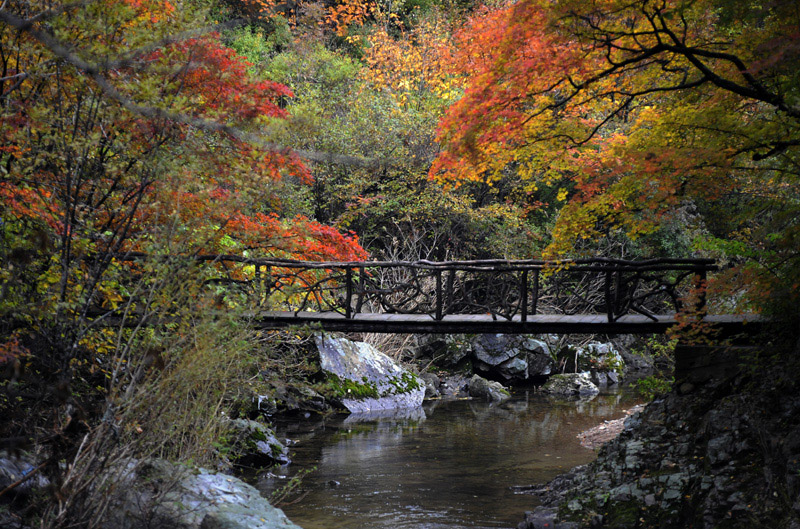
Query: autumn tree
(103, 156)
(642, 111)
(99, 152)
(129, 127)
(415, 65)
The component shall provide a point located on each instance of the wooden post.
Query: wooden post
(609, 301)
(523, 295)
(348, 298)
(267, 283)
(535, 303)
(361, 289)
(438, 295)
(617, 293)
(259, 285)
(451, 277)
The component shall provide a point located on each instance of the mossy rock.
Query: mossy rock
(570, 385)
(364, 379)
(255, 444)
(481, 388)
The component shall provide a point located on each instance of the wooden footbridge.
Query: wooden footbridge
(598, 295)
(587, 296)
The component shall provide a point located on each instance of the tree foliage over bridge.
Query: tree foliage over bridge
(643, 112)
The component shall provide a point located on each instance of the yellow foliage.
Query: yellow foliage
(413, 66)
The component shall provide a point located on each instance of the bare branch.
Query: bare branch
(755, 90)
(777, 148)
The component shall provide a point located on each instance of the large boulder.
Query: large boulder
(480, 388)
(570, 385)
(160, 494)
(510, 357)
(364, 379)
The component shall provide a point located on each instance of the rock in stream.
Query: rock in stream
(570, 385)
(366, 379)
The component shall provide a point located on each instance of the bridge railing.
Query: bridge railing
(501, 288)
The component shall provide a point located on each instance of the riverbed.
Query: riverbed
(452, 464)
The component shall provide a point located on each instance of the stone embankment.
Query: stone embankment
(719, 455)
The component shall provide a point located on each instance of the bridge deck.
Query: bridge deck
(484, 323)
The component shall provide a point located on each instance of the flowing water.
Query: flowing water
(451, 464)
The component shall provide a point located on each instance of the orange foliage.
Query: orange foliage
(11, 350)
(33, 202)
(508, 55)
(346, 13)
(216, 77)
(132, 179)
(643, 108)
(215, 218)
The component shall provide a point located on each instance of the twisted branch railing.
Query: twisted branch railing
(503, 289)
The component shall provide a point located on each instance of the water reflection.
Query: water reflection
(452, 466)
(412, 415)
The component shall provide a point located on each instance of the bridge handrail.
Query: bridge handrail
(512, 288)
(660, 264)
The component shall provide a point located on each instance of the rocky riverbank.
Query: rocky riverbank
(722, 454)
(154, 493)
(603, 433)
(350, 376)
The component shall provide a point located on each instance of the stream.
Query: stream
(450, 464)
